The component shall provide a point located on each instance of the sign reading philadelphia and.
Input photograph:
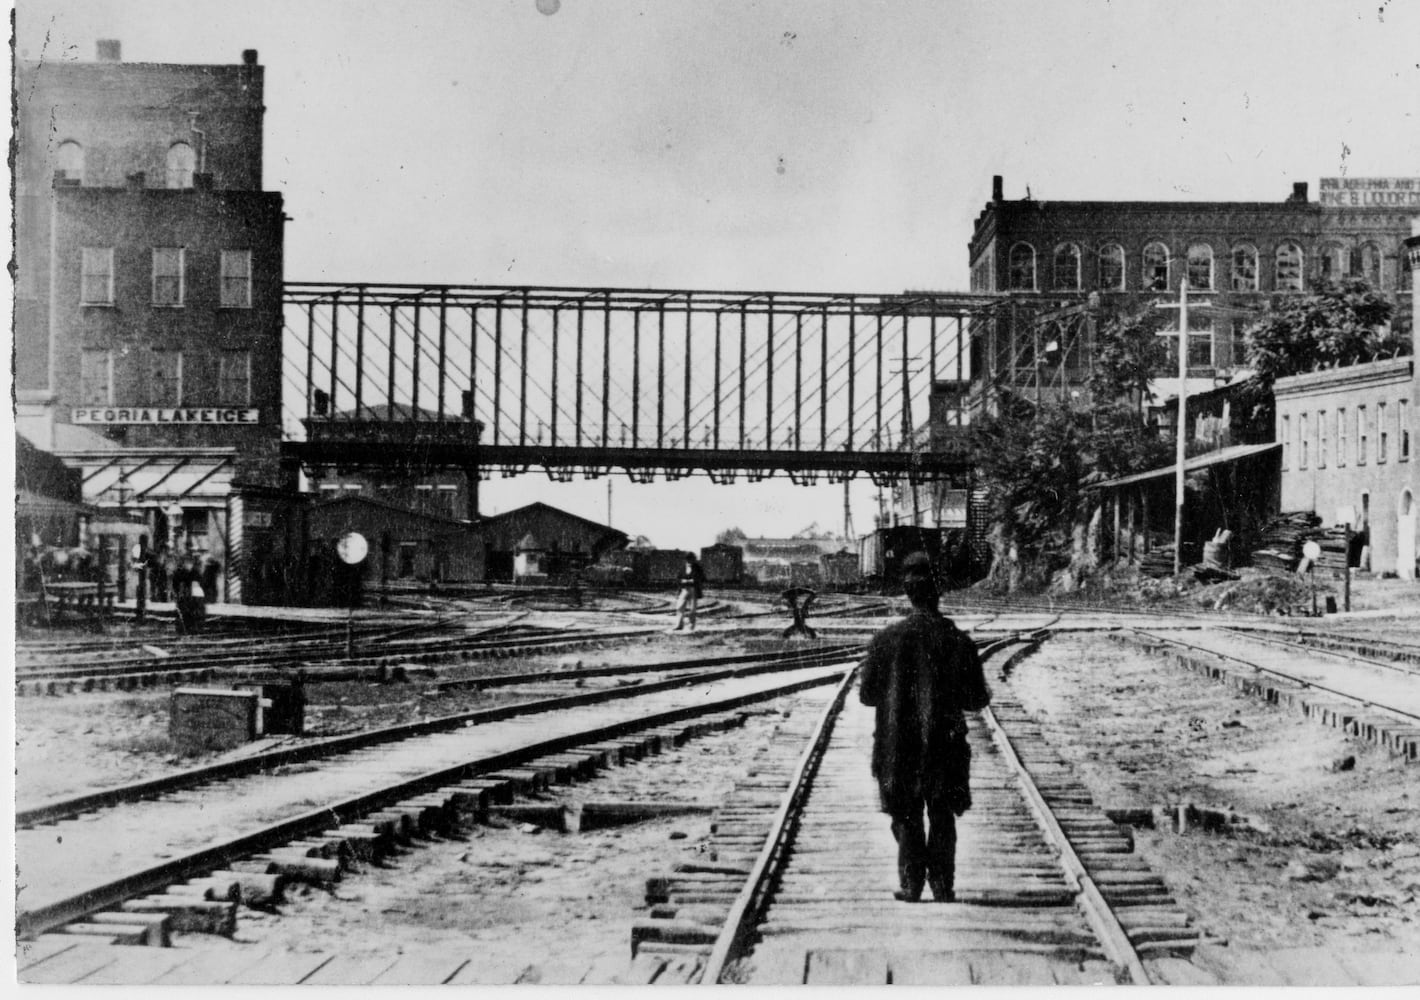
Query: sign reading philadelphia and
(165, 415)
(1370, 192)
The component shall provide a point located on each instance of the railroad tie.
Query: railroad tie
(189, 915)
(299, 865)
(255, 888)
(152, 929)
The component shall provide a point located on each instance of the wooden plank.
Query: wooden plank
(350, 970)
(202, 967)
(1171, 971)
(29, 953)
(494, 969)
(420, 970)
(135, 967)
(70, 966)
(846, 968)
(927, 968)
(282, 968)
(1011, 969)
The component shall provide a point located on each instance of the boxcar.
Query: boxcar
(840, 570)
(723, 564)
(881, 555)
(664, 566)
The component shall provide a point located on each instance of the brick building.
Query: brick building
(1348, 440)
(1066, 265)
(148, 301)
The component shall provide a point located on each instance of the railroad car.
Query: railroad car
(723, 564)
(805, 574)
(662, 567)
(881, 553)
(840, 570)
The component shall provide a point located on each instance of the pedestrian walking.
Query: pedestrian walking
(921, 674)
(692, 588)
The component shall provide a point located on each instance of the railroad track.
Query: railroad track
(796, 886)
(319, 661)
(293, 820)
(1359, 699)
(1376, 652)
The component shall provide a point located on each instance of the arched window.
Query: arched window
(1156, 267)
(182, 161)
(1111, 267)
(1287, 277)
(1244, 268)
(1067, 268)
(69, 160)
(1366, 264)
(1335, 262)
(1200, 267)
(1021, 267)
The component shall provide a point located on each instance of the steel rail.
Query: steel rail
(1276, 639)
(68, 807)
(1301, 681)
(1112, 936)
(37, 921)
(1337, 643)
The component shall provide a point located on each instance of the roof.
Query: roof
(539, 505)
(1219, 457)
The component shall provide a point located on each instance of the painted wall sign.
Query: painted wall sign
(165, 415)
(1370, 192)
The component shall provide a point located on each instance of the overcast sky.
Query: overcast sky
(805, 145)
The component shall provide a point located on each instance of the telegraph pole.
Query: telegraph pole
(1182, 308)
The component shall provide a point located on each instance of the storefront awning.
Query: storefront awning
(1233, 453)
(156, 480)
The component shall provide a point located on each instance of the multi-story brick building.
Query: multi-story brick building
(1068, 265)
(1348, 442)
(148, 301)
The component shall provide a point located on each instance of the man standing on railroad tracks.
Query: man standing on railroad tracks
(921, 674)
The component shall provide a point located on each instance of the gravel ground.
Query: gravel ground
(1332, 859)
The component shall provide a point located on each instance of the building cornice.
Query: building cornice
(1350, 377)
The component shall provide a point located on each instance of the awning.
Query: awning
(154, 481)
(1233, 453)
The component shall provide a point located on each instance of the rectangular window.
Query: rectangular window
(1403, 429)
(165, 379)
(96, 378)
(236, 279)
(167, 276)
(329, 491)
(96, 276)
(353, 487)
(1382, 434)
(406, 558)
(1360, 435)
(1302, 440)
(1239, 345)
(1200, 342)
(234, 378)
(1341, 436)
(1286, 441)
(1321, 439)
(447, 497)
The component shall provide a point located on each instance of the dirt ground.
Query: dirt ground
(67, 744)
(1331, 857)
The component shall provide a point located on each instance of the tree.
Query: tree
(1341, 323)
(1129, 354)
(730, 536)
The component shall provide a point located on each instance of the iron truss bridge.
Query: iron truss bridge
(658, 383)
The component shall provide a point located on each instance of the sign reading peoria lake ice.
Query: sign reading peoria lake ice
(1370, 192)
(166, 415)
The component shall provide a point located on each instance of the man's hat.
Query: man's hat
(917, 562)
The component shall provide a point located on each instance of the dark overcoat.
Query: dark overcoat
(920, 675)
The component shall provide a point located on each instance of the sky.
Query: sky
(802, 145)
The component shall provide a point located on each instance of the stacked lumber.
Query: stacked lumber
(1157, 562)
(1282, 541)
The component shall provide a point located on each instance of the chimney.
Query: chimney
(248, 57)
(110, 50)
(1299, 192)
(996, 187)
(137, 181)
